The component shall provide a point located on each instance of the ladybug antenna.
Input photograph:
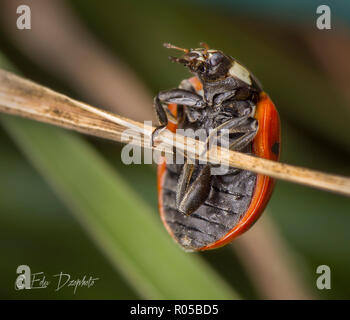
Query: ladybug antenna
(171, 46)
(178, 60)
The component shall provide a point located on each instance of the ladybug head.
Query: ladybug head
(208, 65)
(211, 65)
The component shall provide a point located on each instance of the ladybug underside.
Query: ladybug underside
(228, 200)
(230, 194)
(202, 210)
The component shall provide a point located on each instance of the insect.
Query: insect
(200, 210)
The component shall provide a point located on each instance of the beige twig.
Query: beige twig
(27, 99)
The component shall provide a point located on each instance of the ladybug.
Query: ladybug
(201, 210)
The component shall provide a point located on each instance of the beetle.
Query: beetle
(202, 211)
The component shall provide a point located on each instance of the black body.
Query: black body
(199, 207)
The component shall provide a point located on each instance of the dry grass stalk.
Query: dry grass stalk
(27, 99)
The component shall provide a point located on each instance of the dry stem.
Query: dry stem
(27, 99)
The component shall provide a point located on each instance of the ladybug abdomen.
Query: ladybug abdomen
(228, 201)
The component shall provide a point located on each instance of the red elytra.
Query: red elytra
(264, 143)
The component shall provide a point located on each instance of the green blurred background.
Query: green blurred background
(110, 54)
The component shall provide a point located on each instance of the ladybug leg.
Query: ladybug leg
(162, 118)
(242, 141)
(248, 126)
(232, 125)
(183, 97)
(178, 96)
(189, 197)
(220, 98)
(250, 130)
